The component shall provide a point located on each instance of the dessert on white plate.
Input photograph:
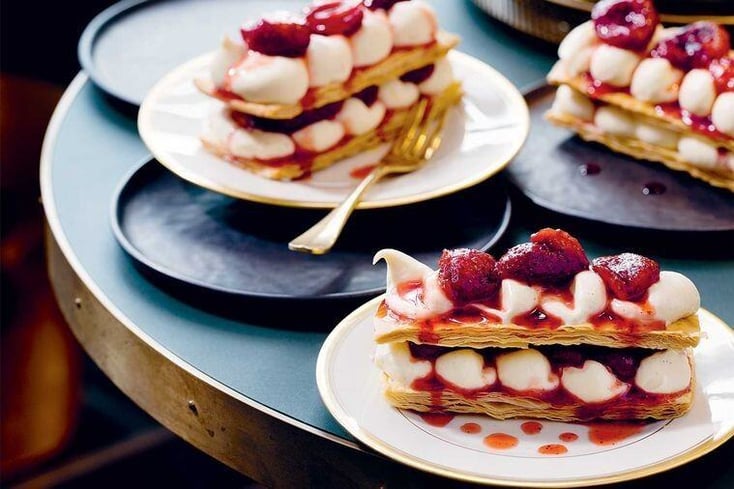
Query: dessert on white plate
(654, 93)
(541, 332)
(302, 91)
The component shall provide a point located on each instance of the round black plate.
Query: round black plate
(552, 170)
(132, 44)
(208, 240)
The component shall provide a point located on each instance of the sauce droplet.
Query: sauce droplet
(588, 169)
(568, 436)
(500, 441)
(438, 420)
(471, 428)
(653, 188)
(552, 449)
(612, 433)
(531, 427)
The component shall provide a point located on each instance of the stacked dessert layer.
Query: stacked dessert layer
(300, 92)
(654, 93)
(541, 333)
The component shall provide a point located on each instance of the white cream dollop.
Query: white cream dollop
(252, 144)
(396, 361)
(697, 92)
(525, 370)
(576, 48)
(465, 369)
(589, 298)
(319, 136)
(615, 121)
(402, 268)
(441, 78)
(269, 79)
(413, 23)
(698, 152)
(397, 94)
(571, 102)
(671, 298)
(656, 81)
(613, 65)
(373, 41)
(592, 383)
(357, 118)
(664, 372)
(658, 136)
(229, 53)
(515, 298)
(722, 113)
(329, 60)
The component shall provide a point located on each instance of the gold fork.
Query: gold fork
(415, 144)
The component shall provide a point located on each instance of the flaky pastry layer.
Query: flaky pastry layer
(678, 335)
(501, 405)
(641, 150)
(357, 144)
(396, 64)
(629, 103)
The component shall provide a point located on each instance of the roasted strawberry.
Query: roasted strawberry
(419, 75)
(722, 70)
(285, 36)
(468, 275)
(695, 46)
(626, 24)
(551, 257)
(335, 18)
(627, 276)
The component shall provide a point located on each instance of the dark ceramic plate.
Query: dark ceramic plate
(563, 173)
(132, 44)
(204, 239)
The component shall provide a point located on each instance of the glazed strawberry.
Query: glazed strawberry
(722, 70)
(277, 37)
(289, 126)
(695, 46)
(419, 75)
(380, 4)
(332, 18)
(627, 276)
(468, 275)
(626, 24)
(551, 257)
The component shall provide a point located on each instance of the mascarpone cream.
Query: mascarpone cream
(373, 41)
(613, 65)
(722, 113)
(664, 372)
(592, 383)
(413, 23)
(656, 81)
(319, 136)
(357, 118)
(269, 79)
(465, 369)
(526, 370)
(397, 94)
(396, 361)
(329, 60)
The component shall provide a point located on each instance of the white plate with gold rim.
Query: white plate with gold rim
(482, 135)
(547, 454)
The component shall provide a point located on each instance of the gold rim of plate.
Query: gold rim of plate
(327, 395)
(514, 99)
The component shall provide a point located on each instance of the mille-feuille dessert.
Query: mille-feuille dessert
(301, 92)
(654, 93)
(540, 333)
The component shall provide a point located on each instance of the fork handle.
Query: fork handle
(320, 237)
